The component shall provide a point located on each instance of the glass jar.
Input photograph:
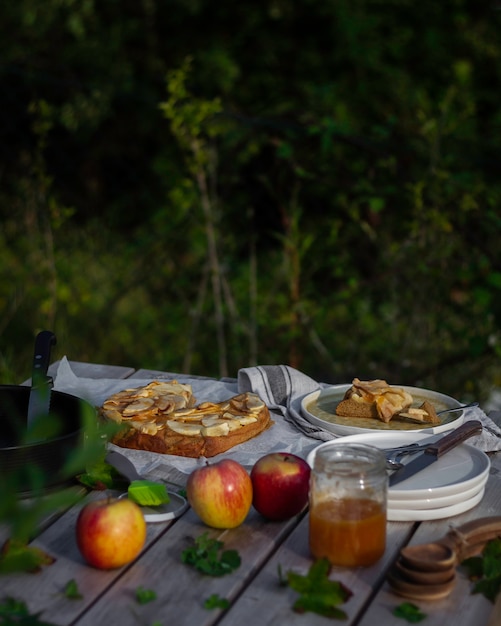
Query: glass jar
(348, 502)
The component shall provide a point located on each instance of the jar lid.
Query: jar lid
(349, 459)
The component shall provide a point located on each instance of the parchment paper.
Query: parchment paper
(282, 436)
(280, 386)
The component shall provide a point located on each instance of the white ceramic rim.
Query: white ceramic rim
(408, 515)
(437, 502)
(164, 512)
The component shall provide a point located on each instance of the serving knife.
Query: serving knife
(41, 384)
(435, 451)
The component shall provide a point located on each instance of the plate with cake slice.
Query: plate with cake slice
(367, 406)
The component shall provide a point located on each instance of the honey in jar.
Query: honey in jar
(348, 532)
(348, 505)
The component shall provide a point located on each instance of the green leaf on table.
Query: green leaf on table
(18, 556)
(100, 476)
(143, 596)
(492, 558)
(409, 612)
(485, 570)
(488, 587)
(474, 566)
(71, 590)
(216, 602)
(15, 613)
(208, 556)
(317, 593)
(148, 493)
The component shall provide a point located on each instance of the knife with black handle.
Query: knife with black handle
(41, 384)
(436, 450)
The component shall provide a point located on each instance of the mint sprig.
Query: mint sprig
(71, 590)
(409, 612)
(144, 596)
(15, 612)
(216, 602)
(208, 556)
(317, 593)
(485, 570)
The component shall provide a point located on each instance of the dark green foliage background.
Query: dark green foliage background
(352, 170)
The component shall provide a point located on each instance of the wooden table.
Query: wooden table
(253, 590)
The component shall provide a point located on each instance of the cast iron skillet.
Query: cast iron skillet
(47, 456)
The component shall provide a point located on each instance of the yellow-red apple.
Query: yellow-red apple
(110, 532)
(280, 484)
(220, 493)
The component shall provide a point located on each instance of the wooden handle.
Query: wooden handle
(470, 538)
(454, 438)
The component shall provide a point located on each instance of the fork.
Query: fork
(457, 408)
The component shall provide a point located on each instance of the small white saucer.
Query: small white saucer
(176, 506)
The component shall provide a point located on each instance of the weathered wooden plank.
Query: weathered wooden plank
(266, 603)
(44, 592)
(461, 606)
(181, 590)
(76, 491)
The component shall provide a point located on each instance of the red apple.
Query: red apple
(280, 484)
(110, 532)
(220, 493)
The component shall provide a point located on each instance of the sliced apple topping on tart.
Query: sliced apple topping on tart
(176, 425)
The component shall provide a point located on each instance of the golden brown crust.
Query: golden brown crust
(204, 430)
(351, 408)
(373, 398)
(169, 442)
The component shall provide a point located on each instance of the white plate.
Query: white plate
(408, 515)
(461, 469)
(164, 512)
(319, 408)
(435, 502)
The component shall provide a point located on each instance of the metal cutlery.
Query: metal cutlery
(436, 450)
(457, 408)
(41, 383)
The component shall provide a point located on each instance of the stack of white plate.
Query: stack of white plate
(453, 484)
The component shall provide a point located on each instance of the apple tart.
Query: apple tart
(164, 417)
(377, 399)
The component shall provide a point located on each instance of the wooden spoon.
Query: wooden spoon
(424, 578)
(429, 557)
(427, 571)
(417, 591)
(454, 547)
